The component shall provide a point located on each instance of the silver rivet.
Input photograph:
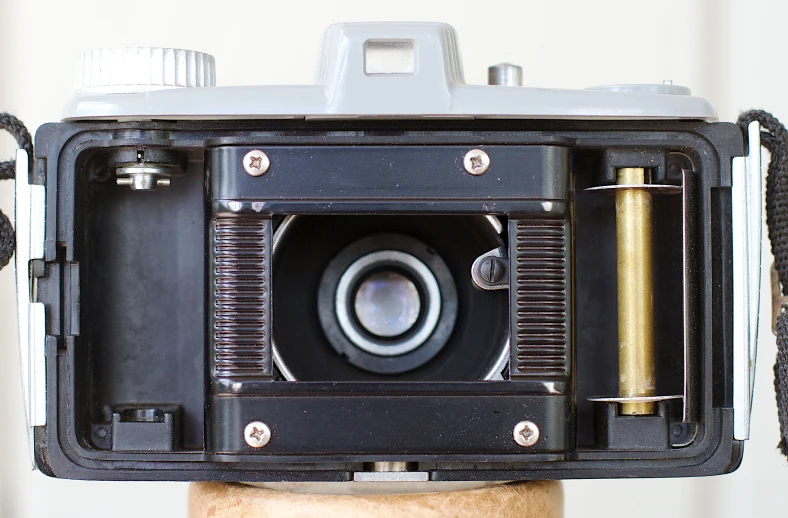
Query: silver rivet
(257, 434)
(476, 162)
(526, 433)
(256, 163)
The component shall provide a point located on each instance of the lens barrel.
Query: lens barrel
(385, 298)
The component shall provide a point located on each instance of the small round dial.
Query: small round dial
(142, 69)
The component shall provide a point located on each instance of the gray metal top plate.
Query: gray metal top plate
(432, 88)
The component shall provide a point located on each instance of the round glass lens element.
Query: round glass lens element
(387, 304)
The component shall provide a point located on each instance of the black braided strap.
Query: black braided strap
(6, 240)
(18, 130)
(781, 380)
(774, 138)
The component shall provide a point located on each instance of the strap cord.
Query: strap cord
(17, 130)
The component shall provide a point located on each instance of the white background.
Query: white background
(733, 53)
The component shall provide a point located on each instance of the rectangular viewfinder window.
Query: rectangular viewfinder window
(389, 57)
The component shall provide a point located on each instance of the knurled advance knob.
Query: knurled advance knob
(142, 69)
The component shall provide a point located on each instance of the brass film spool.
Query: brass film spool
(635, 293)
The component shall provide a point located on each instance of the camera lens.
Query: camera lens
(385, 298)
(387, 304)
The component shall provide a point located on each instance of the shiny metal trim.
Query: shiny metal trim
(391, 476)
(278, 361)
(495, 222)
(29, 218)
(633, 399)
(652, 188)
(502, 362)
(747, 210)
(687, 403)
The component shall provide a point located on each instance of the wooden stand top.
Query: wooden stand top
(537, 499)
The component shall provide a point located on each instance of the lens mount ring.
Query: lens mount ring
(384, 258)
(428, 336)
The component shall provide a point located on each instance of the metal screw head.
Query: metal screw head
(257, 434)
(476, 162)
(491, 270)
(256, 163)
(526, 433)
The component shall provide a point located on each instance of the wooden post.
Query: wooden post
(537, 499)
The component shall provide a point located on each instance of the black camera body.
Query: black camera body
(384, 290)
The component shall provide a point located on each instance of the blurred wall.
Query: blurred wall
(731, 52)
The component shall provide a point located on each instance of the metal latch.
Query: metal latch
(747, 210)
(29, 212)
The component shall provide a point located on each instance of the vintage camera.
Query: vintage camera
(390, 275)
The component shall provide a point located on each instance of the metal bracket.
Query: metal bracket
(490, 271)
(747, 210)
(30, 216)
(687, 193)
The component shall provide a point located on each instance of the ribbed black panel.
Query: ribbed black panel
(241, 303)
(540, 298)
